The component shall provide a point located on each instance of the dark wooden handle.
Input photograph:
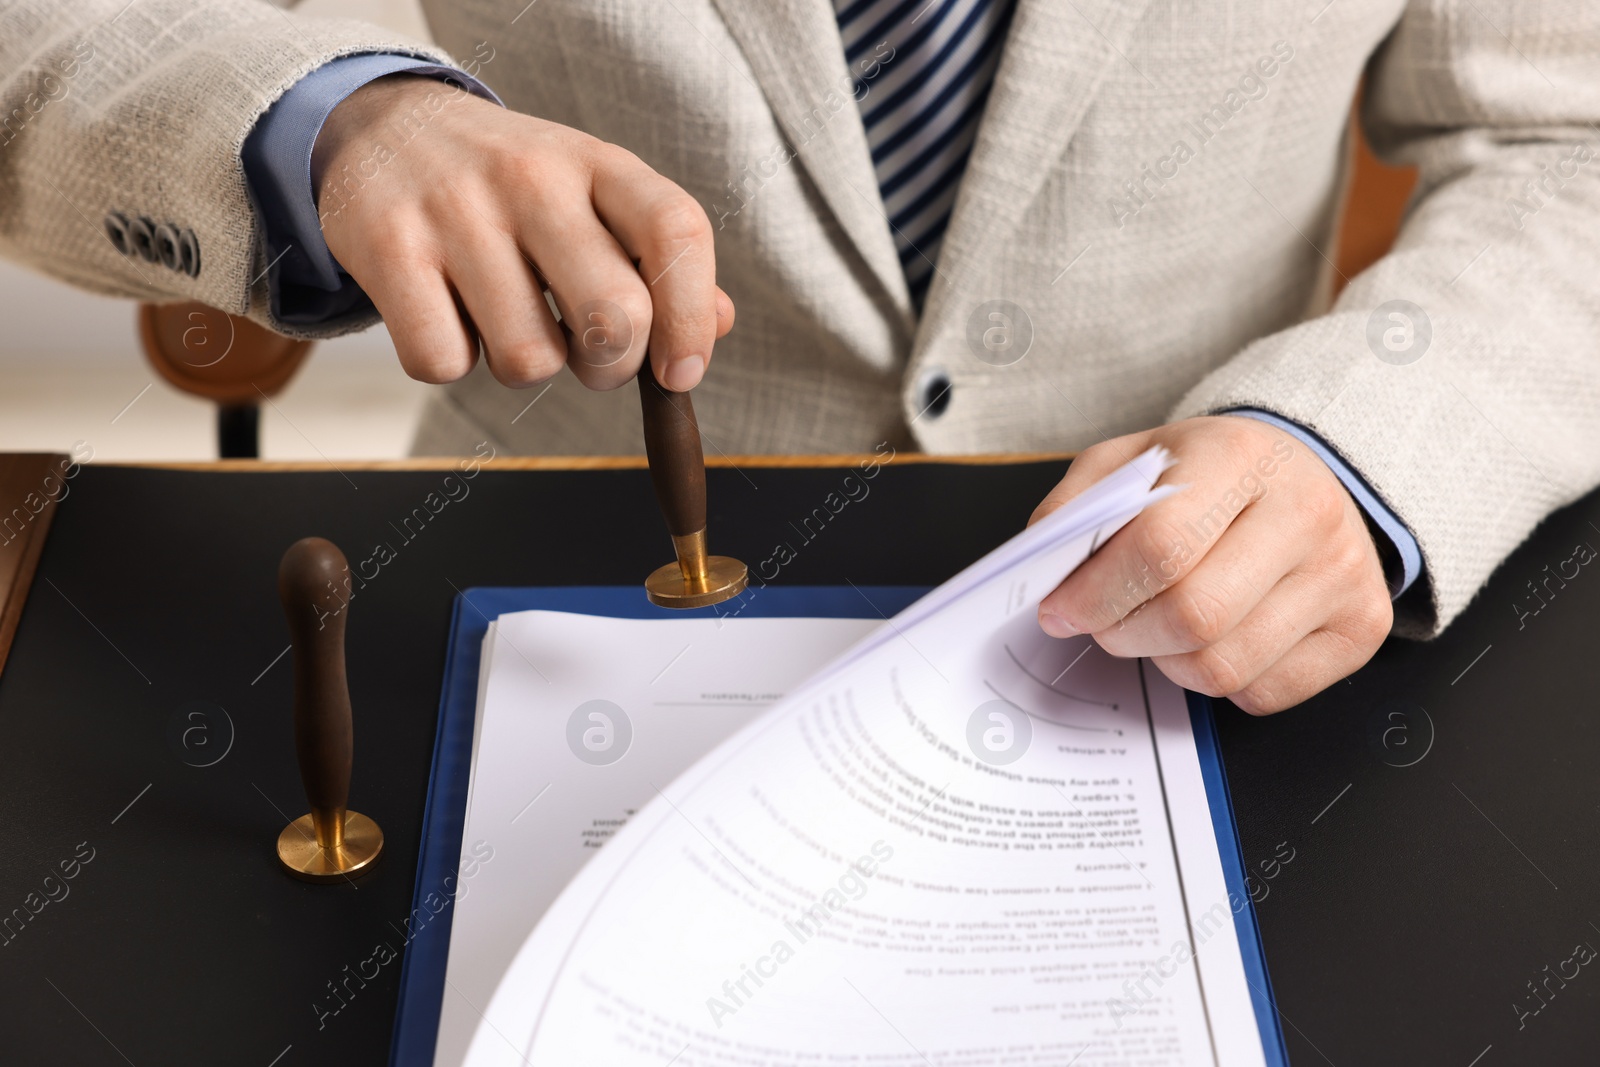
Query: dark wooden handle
(314, 585)
(672, 443)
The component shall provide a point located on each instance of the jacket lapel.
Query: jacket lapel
(1057, 55)
(793, 47)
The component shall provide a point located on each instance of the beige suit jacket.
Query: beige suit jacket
(1150, 199)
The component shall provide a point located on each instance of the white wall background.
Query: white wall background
(70, 363)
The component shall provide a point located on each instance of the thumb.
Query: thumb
(724, 313)
(1088, 467)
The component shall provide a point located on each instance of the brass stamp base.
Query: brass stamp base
(724, 579)
(302, 857)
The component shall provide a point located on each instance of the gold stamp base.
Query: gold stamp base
(302, 857)
(724, 579)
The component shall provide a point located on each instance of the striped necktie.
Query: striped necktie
(923, 69)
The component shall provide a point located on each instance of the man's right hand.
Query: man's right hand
(453, 213)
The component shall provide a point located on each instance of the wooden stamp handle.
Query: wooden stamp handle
(677, 465)
(314, 585)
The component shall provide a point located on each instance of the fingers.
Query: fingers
(605, 306)
(665, 230)
(1148, 555)
(1276, 623)
(1304, 670)
(627, 254)
(431, 339)
(1214, 460)
(1151, 554)
(521, 341)
(1314, 626)
(1213, 599)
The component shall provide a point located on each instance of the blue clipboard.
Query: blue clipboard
(422, 972)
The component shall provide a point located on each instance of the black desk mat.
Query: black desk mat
(1418, 902)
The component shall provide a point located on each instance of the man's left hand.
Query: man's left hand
(1258, 582)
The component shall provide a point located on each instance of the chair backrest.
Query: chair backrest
(1375, 200)
(212, 354)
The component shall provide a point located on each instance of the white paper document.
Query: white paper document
(941, 839)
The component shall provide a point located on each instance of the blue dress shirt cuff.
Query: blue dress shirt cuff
(307, 285)
(1379, 516)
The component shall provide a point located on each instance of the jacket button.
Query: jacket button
(166, 240)
(116, 224)
(142, 238)
(933, 394)
(189, 253)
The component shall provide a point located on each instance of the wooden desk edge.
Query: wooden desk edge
(24, 473)
(24, 478)
(583, 463)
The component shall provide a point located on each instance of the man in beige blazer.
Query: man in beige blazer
(1140, 244)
